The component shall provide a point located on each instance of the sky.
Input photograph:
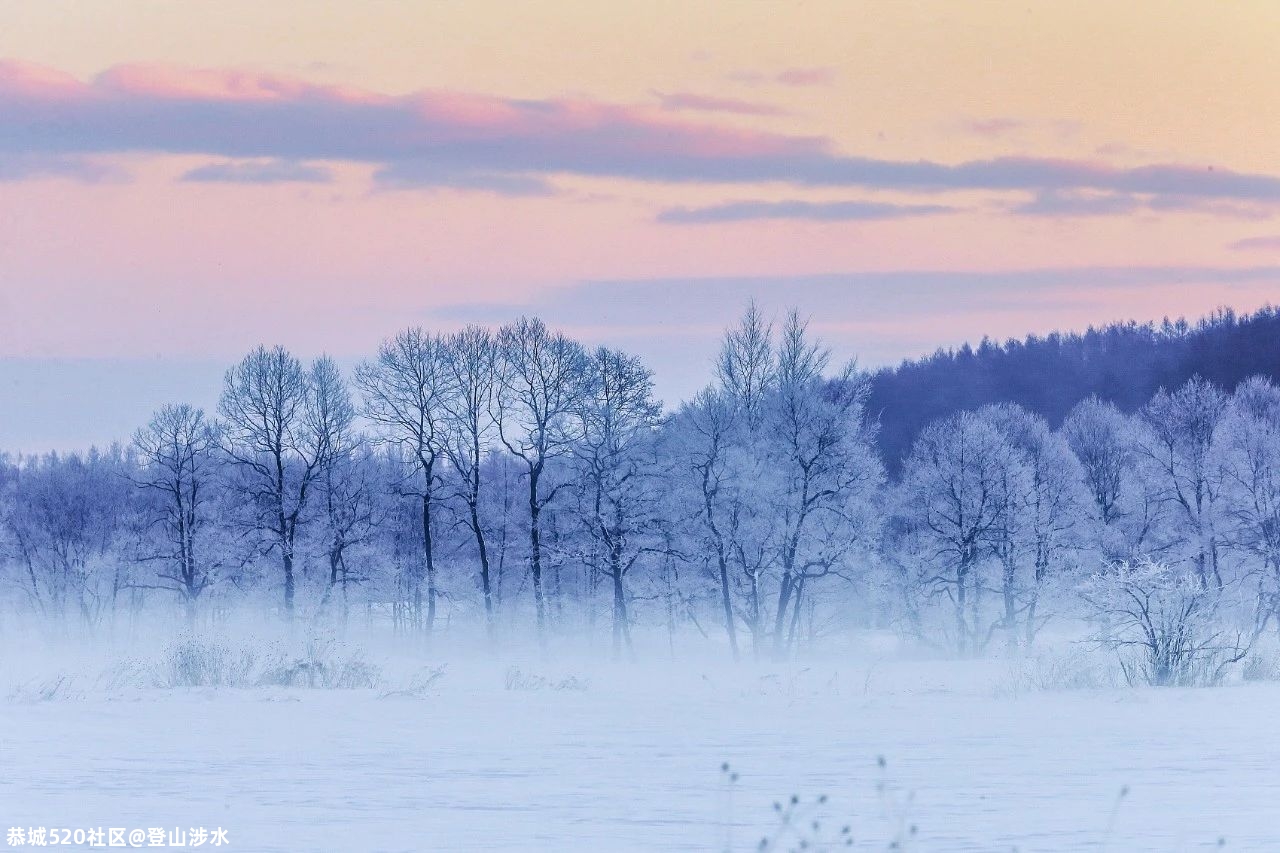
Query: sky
(180, 182)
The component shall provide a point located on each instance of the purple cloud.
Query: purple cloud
(1068, 203)
(26, 166)
(259, 172)
(1078, 204)
(1270, 244)
(638, 302)
(499, 141)
(404, 175)
(819, 211)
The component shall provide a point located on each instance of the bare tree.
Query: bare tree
(405, 391)
(178, 450)
(344, 491)
(619, 417)
(539, 395)
(824, 467)
(704, 431)
(471, 361)
(746, 368)
(271, 432)
(747, 373)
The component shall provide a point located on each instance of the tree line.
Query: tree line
(484, 481)
(1124, 363)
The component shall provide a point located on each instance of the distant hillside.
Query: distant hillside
(1124, 362)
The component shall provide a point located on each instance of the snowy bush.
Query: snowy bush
(1046, 670)
(1163, 623)
(322, 666)
(192, 662)
(420, 684)
(517, 679)
(1261, 665)
(203, 662)
(45, 690)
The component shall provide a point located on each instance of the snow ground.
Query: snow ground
(633, 762)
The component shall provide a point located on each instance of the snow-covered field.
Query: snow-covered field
(629, 757)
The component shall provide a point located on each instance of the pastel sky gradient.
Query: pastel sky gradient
(181, 181)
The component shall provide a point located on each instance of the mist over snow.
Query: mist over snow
(568, 425)
(481, 592)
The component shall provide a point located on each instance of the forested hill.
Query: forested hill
(1123, 362)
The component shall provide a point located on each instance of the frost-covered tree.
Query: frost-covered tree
(1176, 441)
(179, 458)
(471, 363)
(617, 470)
(405, 392)
(700, 439)
(345, 493)
(69, 522)
(540, 391)
(1047, 518)
(746, 373)
(1248, 439)
(824, 469)
(503, 508)
(1131, 518)
(1163, 623)
(954, 496)
(275, 437)
(1100, 437)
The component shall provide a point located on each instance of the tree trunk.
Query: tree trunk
(483, 550)
(794, 630)
(535, 557)
(286, 559)
(1010, 605)
(727, 603)
(428, 553)
(780, 617)
(619, 611)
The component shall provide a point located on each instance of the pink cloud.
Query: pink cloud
(806, 77)
(707, 103)
(796, 77)
(447, 138)
(993, 127)
(37, 81)
(167, 81)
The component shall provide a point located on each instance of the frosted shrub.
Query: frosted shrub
(54, 689)
(1163, 624)
(519, 680)
(192, 662)
(198, 662)
(1057, 671)
(320, 666)
(1261, 666)
(421, 684)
